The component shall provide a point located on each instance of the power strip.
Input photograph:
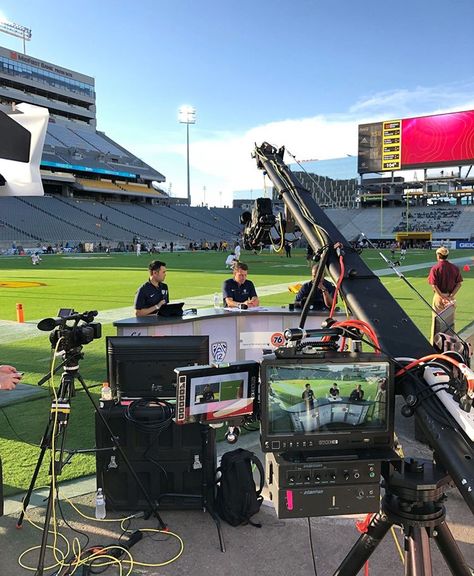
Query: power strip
(465, 420)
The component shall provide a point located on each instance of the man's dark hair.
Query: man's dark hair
(241, 266)
(155, 265)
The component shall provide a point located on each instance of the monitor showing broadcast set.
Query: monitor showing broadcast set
(210, 394)
(341, 401)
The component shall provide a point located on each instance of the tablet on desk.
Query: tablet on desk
(171, 310)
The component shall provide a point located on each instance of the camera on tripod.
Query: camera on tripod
(83, 330)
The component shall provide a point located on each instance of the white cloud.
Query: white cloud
(222, 161)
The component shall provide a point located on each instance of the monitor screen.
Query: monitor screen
(342, 400)
(144, 366)
(216, 394)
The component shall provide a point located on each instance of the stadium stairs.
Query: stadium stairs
(116, 230)
(89, 233)
(168, 234)
(209, 232)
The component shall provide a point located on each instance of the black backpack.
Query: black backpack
(237, 498)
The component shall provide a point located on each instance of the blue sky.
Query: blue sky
(302, 74)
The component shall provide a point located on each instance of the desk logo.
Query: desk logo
(277, 339)
(218, 351)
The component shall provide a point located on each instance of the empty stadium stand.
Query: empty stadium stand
(98, 192)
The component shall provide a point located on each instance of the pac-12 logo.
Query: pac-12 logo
(219, 350)
(277, 339)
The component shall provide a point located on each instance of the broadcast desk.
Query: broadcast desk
(233, 335)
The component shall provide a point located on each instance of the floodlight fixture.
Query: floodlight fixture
(16, 30)
(187, 115)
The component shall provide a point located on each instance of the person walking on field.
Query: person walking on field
(445, 279)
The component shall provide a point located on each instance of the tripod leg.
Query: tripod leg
(417, 553)
(365, 545)
(450, 551)
(209, 505)
(45, 443)
(44, 540)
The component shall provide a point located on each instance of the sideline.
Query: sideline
(11, 331)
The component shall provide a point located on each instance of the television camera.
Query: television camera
(258, 223)
(69, 337)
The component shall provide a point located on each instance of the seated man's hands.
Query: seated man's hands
(9, 377)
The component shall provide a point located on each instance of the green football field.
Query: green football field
(107, 283)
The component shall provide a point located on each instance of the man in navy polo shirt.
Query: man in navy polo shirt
(152, 295)
(322, 295)
(238, 292)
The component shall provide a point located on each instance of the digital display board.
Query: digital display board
(422, 142)
(87, 169)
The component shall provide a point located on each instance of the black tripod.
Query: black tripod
(413, 500)
(55, 434)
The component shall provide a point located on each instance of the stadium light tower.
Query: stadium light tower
(187, 115)
(16, 30)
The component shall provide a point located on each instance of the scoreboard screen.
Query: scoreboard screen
(422, 142)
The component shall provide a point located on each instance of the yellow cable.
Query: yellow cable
(110, 559)
(53, 492)
(397, 545)
(31, 568)
(59, 555)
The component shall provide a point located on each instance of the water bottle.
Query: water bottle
(106, 392)
(100, 504)
(217, 300)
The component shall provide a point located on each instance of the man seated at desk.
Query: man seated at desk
(334, 393)
(357, 394)
(238, 292)
(322, 295)
(154, 294)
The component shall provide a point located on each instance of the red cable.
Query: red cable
(338, 285)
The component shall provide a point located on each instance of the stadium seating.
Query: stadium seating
(437, 219)
(60, 220)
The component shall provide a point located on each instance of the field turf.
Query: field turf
(108, 282)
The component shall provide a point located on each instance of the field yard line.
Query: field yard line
(13, 331)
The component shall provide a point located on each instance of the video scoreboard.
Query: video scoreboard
(422, 142)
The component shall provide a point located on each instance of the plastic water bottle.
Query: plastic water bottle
(100, 504)
(106, 392)
(217, 301)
